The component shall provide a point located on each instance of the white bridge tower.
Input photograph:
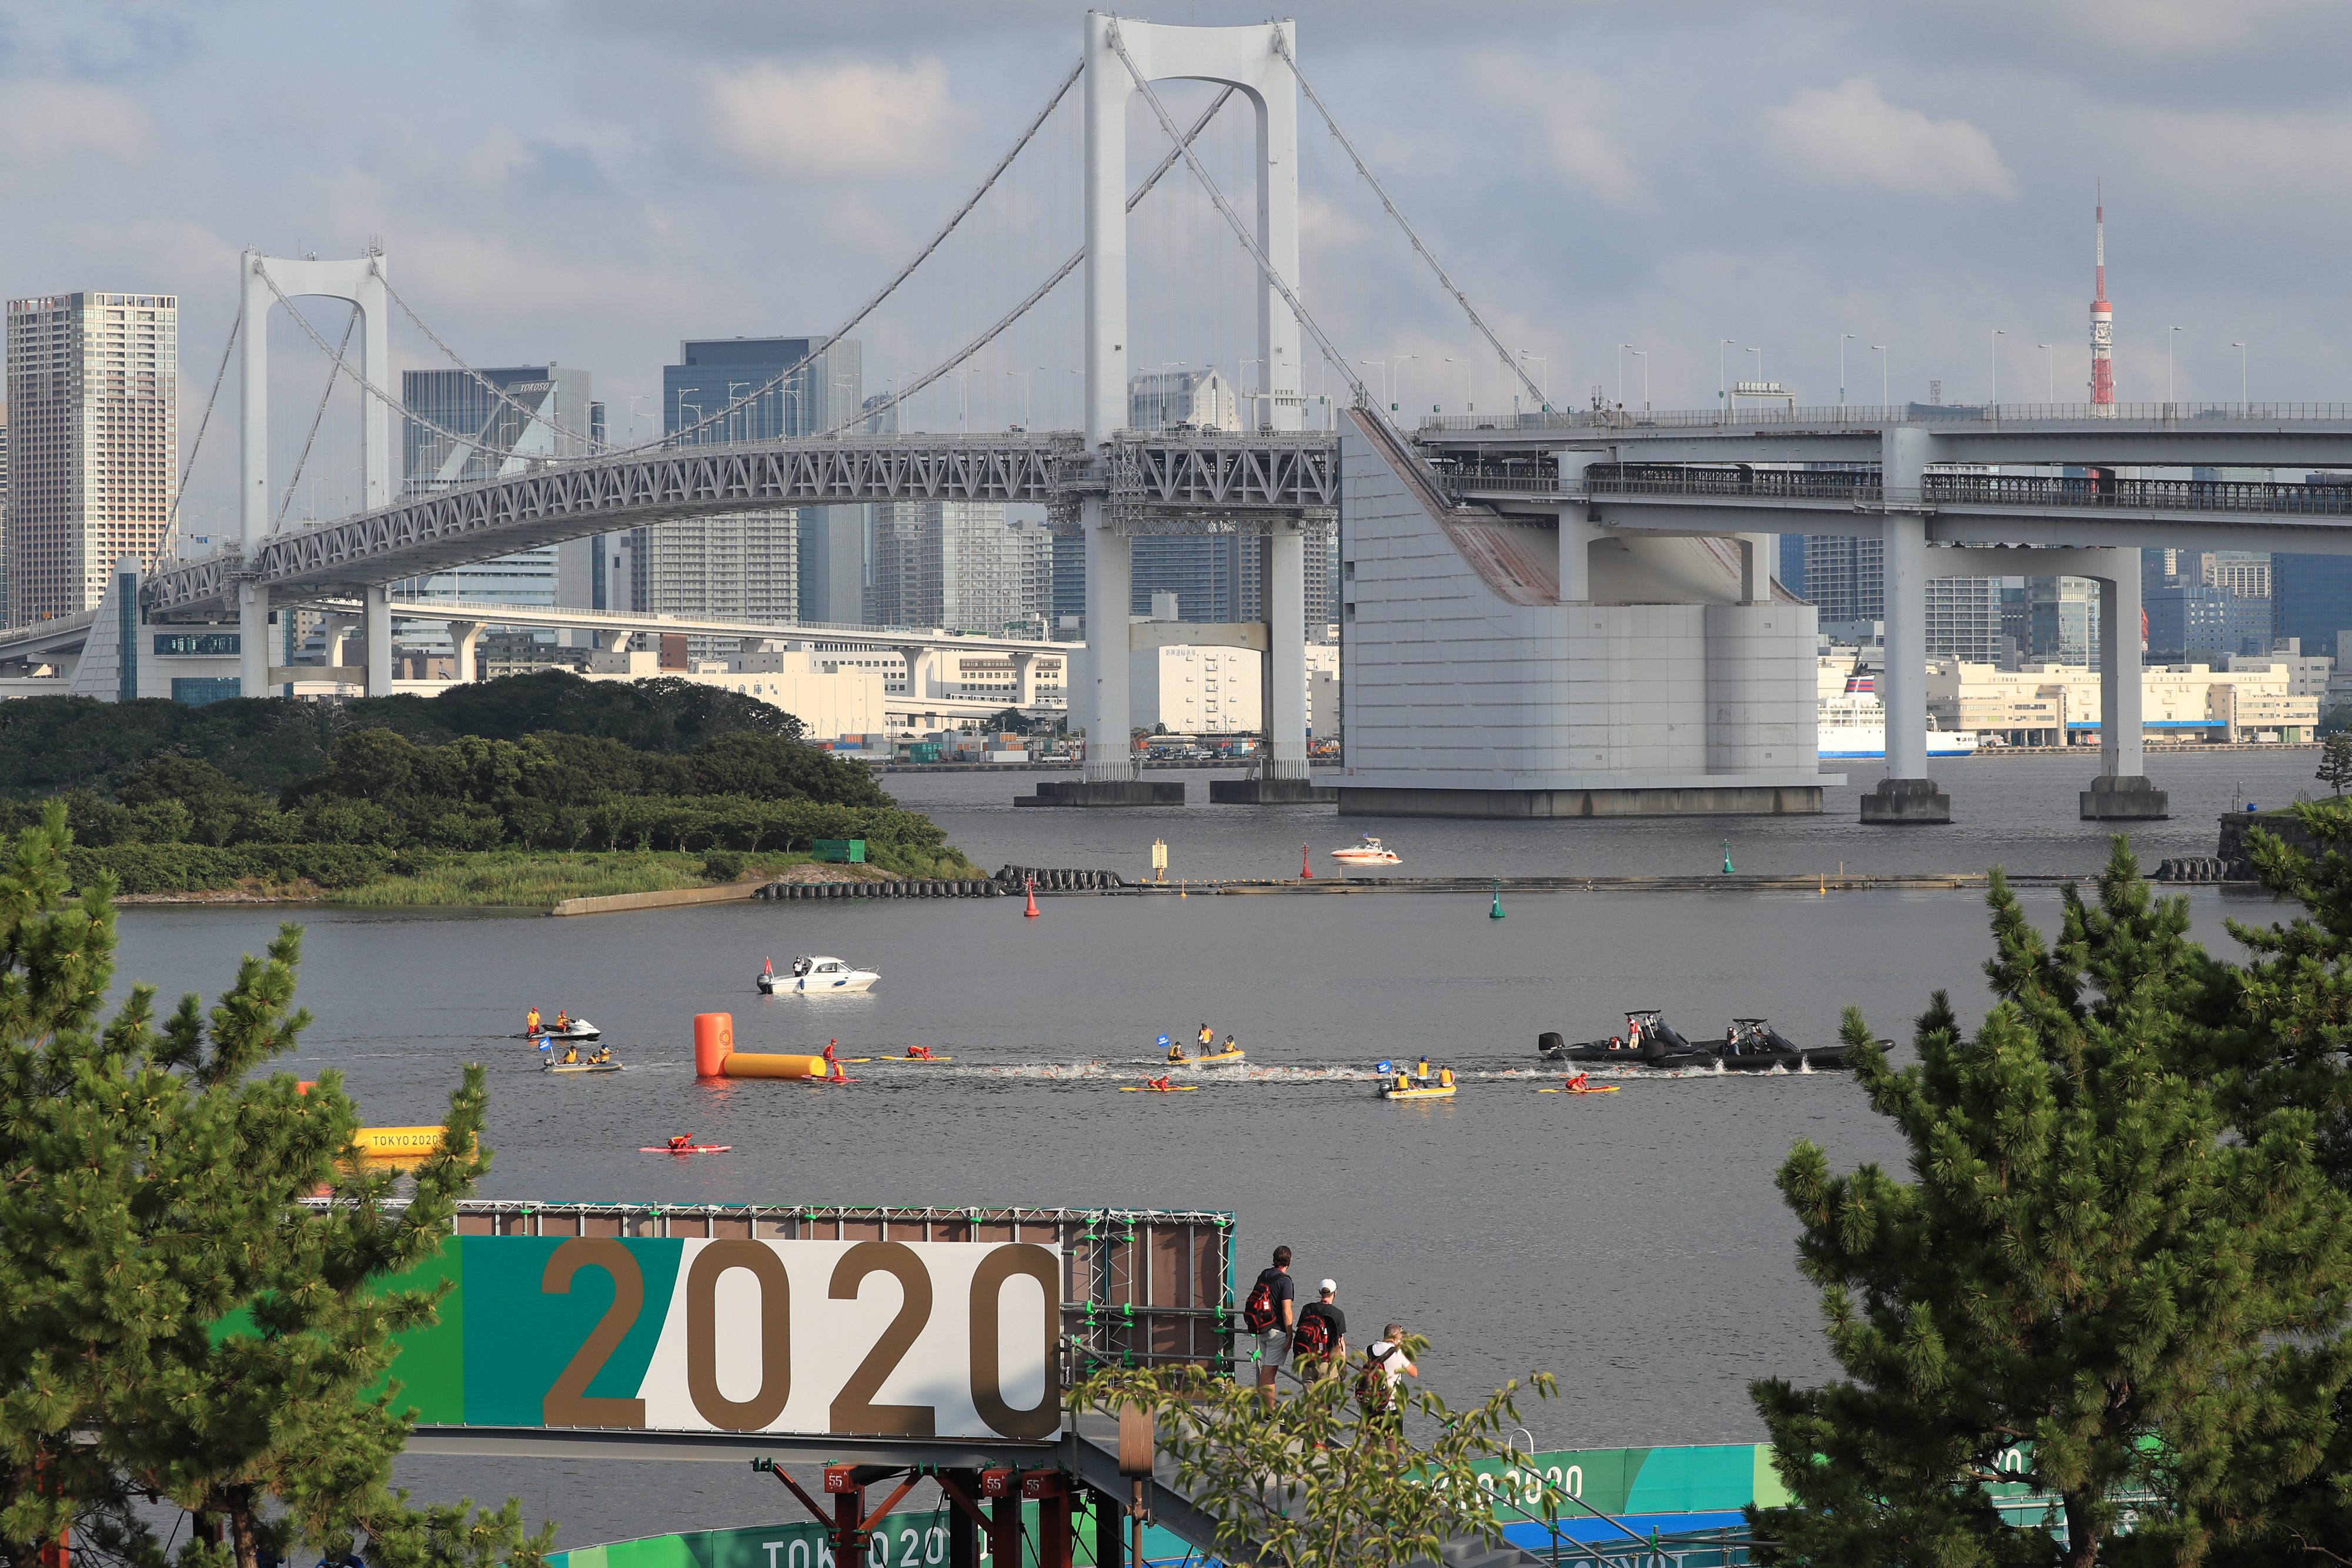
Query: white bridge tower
(1250, 60)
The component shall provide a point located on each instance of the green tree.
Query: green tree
(2336, 762)
(2104, 1265)
(1314, 1483)
(180, 1325)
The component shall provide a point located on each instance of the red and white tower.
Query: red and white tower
(2103, 316)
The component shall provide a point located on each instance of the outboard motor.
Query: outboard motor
(1549, 1043)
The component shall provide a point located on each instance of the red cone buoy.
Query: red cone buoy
(1306, 867)
(1031, 913)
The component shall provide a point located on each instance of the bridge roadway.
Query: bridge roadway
(1908, 483)
(1154, 483)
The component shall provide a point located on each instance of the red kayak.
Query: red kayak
(687, 1149)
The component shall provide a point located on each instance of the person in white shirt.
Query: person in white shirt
(1386, 1365)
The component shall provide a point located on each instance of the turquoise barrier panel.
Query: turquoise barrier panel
(910, 1540)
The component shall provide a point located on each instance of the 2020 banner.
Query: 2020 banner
(882, 1338)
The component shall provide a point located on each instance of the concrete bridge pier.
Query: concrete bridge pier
(1906, 795)
(375, 615)
(465, 636)
(2122, 792)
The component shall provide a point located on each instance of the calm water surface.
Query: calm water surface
(1633, 1244)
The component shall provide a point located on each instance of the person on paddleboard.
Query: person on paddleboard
(1577, 1082)
(918, 1053)
(681, 1142)
(1159, 1083)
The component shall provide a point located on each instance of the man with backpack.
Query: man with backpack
(1270, 1313)
(1320, 1340)
(1385, 1366)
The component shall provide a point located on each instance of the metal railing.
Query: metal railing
(1861, 488)
(1867, 416)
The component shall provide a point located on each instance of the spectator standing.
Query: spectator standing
(1320, 1339)
(1386, 1365)
(1270, 1314)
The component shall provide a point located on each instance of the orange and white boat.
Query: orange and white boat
(1368, 851)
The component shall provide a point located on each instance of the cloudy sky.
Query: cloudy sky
(591, 181)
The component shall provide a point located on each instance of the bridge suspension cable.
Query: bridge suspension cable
(344, 365)
(1282, 46)
(905, 272)
(1232, 220)
(1038, 293)
(587, 442)
(172, 518)
(326, 392)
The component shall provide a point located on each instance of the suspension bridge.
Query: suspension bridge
(1545, 612)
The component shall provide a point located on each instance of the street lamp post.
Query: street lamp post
(2241, 374)
(1468, 406)
(2171, 337)
(1024, 376)
(1723, 380)
(1992, 353)
(1621, 373)
(1397, 379)
(1843, 339)
(1759, 352)
(1382, 366)
(1643, 355)
(2053, 369)
(1239, 367)
(1886, 400)
(634, 399)
(1544, 379)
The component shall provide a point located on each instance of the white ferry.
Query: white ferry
(1854, 722)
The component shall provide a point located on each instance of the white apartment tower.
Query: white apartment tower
(93, 394)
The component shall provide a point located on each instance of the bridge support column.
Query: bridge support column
(1110, 750)
(1024, 680)
(252, 639)
(1577, 530)
(1906, 795)
(1756, 553)
(463, 637)
(2122, 792)
(1286, 657)
(376, 609)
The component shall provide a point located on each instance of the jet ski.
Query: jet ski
(574, 1029)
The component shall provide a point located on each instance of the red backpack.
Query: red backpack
(1313, 1334)
(1258, 1311)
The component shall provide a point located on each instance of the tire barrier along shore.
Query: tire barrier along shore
(905, 887)
(1049, 879)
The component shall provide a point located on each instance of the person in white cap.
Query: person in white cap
(1319, 1342)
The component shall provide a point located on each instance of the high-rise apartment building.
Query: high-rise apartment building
(4, 619)
(93, 401)
(780, 567)
(959, 564)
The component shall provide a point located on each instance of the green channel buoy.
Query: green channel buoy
(1727, 857)
(1496, 912)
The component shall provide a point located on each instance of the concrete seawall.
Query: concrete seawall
(614, 903)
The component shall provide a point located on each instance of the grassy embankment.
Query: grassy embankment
(540, 879)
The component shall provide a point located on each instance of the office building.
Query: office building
(1178, 399)
(547, 414)
(2063, 620)
(781, 566)
(2311, 595)
(1068, 609)
(1964, 618)
(93, 401)
(959, 564)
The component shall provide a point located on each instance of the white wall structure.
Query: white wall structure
(126, 658)
(1670, 683)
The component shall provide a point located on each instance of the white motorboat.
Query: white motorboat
(814, 975)
(1368, 851)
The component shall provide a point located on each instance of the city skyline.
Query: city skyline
(1916, 181)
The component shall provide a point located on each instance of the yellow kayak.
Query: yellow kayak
(1220, 1058)
(1156, 1089)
